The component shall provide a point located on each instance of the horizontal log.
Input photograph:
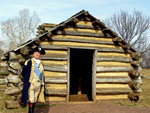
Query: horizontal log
(113, 54)
(76, 33)
(12, 104)
(104, 49)
(72, 39)
(86, 23)
(51, 47)
(2, 81)
(54, 63)
(4, 72)
(117, 64)
(100, 49)
(3, 64)
(56, 68)
(113, 69)
(56, 92)
(112, 91)
(12, 91)
(55, 80)
(15, 65)
(112, 74)
(56, 86)
(113, 80)
(138, 80)
(13, 79)
(12, 70)
(16, 57)
(77, 44)
(114, 58)
(105, 85)
(55, 74)
(54, 57)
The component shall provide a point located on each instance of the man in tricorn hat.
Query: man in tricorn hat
(33, 87)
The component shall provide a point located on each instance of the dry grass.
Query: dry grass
(144, 101)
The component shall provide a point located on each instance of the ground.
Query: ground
(120, 106)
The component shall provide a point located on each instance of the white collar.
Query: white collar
(37, 61)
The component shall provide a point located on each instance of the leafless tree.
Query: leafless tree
(21, 28)
(133, 28)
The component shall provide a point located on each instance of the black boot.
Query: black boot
(33, 106)
(30, 110)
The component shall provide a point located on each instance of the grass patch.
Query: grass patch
(127, 104)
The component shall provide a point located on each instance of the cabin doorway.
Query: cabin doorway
(81, 65)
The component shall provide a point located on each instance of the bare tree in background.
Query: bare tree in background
(21, 28)
(132, 28)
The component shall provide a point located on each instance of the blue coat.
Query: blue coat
(26, 72)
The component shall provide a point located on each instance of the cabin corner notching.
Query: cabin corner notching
(84, 61)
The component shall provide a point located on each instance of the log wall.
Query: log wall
(117, 67)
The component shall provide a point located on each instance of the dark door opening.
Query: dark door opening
(81, 61)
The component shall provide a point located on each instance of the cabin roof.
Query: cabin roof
(62, 24)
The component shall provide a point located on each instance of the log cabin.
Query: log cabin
(84, 61)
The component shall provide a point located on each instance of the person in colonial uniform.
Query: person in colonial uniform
(33, 84)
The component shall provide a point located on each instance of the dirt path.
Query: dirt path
(92, 108)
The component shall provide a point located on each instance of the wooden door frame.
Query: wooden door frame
(93, 73)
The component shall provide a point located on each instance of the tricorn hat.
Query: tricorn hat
(37, 49)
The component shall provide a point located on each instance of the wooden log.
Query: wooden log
(77, 44)
(112, 91)
(134, 85)
(70, 39)
(15, 65)
(112, 86)
(16, 57)
(2, 58)
(114, 64)
(12, 70)
(133, 73)
(113, 69)
(138, 90)
(12, 91)
(136, 56)
(54, 57)
(113, 54)
(4, 72)
(104, 49)
(56, 86)
(54, 63)
(3, 87)
(110, 80)
(51, 47)
(112, 74)
(12, 105)
(2, 81)
(114, 58)
(56, 92)
(13, 79)
(135, 63)
(117, 39)
(55, 80)
(138, 80)
(100, 49)
(3, 64)
(25, 50)
(54, 74)
(134, 96)
(76, 33)
(127, 46)
(56, 68)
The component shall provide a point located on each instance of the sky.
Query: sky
(56, 11)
